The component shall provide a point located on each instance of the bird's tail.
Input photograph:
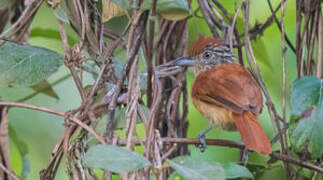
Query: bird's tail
(252, 134)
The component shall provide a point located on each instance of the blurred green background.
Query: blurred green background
(41, 131)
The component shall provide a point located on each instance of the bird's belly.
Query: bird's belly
(218, 116)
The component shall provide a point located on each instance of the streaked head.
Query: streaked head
(206, 52)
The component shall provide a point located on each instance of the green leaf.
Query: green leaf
(5, 3)
(169, 9)
(261, 53)
(167, 4)
(46, 88)
(118, 67)
(175, 176)
(114, 158)
(24, 65)
(305, 94)
(50, 34)
(143, 81)
(196, 169)
(23, 151)
(233, 170)
(310, 131)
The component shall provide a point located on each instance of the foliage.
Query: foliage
(114, 158)
(27, 70)
(26, 65)
(192, 169)
(306, 101)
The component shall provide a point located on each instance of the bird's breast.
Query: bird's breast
(217, 115)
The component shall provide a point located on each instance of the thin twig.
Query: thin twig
(51, 111)
(4, 137)
(9, 172)
(68, 58)
(149, 59)
(233, 26)
(319, 47)
(288, 168)
(205, 8)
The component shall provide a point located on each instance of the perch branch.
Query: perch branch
(227, 143)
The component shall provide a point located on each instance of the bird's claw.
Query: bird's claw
(202, 145)
(245, 156)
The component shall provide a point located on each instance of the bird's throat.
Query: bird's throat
(200, 68)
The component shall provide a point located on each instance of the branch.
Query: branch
(205, 8)
(7, 171)
(227, 143)
(286, 150)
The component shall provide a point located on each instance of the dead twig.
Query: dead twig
(283, 6)
(319, 47)
(205, 8)
(8, 172)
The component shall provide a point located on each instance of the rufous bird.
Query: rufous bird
(225, 92)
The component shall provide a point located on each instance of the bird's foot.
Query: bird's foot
(202, 145)
(244, 156)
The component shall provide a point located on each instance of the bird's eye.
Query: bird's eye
(206, 55)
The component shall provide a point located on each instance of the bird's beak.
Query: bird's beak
(184, 61)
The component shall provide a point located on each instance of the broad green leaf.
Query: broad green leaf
(196, 169)
(45, 88)
(114, 158)
(169, 9)
(233, 170)
(23, 151)
(310, 131)
(24, 65)
(174, 14)
(305, 94)
(166, 4)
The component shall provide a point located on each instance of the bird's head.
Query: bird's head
(206, 52)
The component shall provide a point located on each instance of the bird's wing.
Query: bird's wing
(229, 85)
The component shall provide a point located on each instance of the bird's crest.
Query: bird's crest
(199, 45)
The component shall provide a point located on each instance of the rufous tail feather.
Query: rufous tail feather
(252, 134)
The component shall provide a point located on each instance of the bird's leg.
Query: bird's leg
(244, 156)
(201, 136)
